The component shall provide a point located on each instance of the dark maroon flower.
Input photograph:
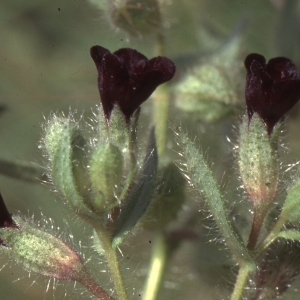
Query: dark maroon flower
(127, 78)
(5, 218)
(272, 89)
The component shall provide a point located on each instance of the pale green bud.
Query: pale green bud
(40, 252)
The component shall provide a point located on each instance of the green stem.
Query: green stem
(112, 261)
(161, 110)
(241, 282)
(160, 46)
(273, 234)
(160, 257)
(244, 269)
(161, 105)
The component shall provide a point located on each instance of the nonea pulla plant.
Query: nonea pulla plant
(105, 175)
(121, 179)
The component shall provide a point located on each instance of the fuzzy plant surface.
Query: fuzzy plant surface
(161, 214)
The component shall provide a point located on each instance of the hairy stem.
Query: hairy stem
(258, 219)
(241, 282)
(273, 234)
(112, 261)
(91, 285)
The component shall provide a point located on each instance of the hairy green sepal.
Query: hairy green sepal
(59, 137)
(258, 163)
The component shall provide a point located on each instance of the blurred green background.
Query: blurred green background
(45, 67)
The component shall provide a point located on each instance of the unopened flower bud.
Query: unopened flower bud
(40, 252)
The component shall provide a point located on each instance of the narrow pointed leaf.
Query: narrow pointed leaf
(22, 171)
(202, 179)
(139, 198)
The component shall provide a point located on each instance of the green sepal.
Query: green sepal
(136, 202)
(258, 162)
(79, 159)
(106, 170)
(58, 143)
(118, 129)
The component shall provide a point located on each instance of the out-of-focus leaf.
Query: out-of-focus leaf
(22, 171)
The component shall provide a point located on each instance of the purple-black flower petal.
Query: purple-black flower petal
(126, 78)
(281, 68)
(272, 89)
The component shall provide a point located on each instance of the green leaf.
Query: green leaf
(98, 244)
(23, 171)
(138, 199)
(202, 179)
(169, 199)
